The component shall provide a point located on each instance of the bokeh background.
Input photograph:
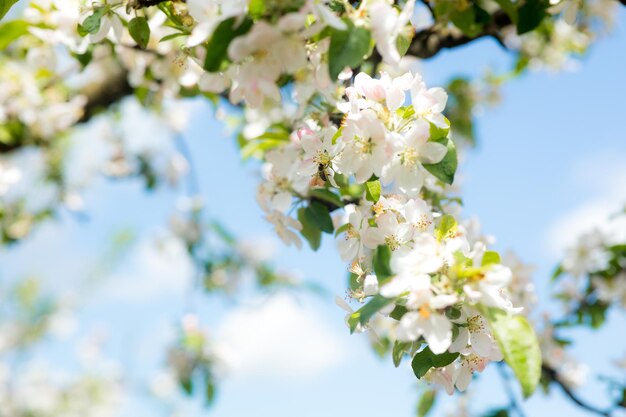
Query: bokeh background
(550, 163)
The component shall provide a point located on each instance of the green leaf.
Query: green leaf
(139, 31)
(437, 132)
(256, 148)
(256, 8)
(426, 403)
(426, 359)
(398, 312)
(327, 196)
(403, 43)
(491, 257)
(530, 15)
(518, 344)
(453, 313)
(373, 306)
(347, 48)
(381, 263)
(92, 23)
(558, 271)
(498, 412)
(210, 392)
(312, 234)
(11, 31)
(510, 8)
(469, 20)
(318, 214)
(446, 168)
(224, 33)
(399, 348)
(84, 59)
(172, 36)
(342, 228)
(372, 191)
(186, 384)
(353, 322)
(5, 6)
(447, 226)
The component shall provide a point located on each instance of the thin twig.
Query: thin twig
(513, 403)
(553, 376)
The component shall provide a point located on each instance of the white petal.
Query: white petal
(440, 97)
(432, 152)
(482, 344)
(370, 285)
(408, 330)
(461, 341)
(463, 378)
(438, 333)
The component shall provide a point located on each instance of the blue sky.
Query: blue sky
(551, 159)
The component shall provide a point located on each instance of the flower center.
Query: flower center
(392, 241)
(423, 223)
(475, 324)
(409, 156)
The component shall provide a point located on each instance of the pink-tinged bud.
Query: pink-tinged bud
(374, 91)
(304, 131)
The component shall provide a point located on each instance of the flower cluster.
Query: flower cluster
(380, 173)
(591, 275)
(193, 361)
(351, 158)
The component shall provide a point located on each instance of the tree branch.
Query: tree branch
(553, 377)
(430, 41)
(138, 4)
(110, 93)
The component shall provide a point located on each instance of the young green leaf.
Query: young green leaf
(518, 344)
(490, 257)
(426, 403)
(437, 132)
(139, 31)
(446, 168)
(372, 191)
(172, 36)
(256, 8)
(447, 226)
(558, 271)
(11, 31)
(347, 48)
(5, 6)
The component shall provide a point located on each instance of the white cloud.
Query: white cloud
(603, 178)
(279, 338)
(154, 267)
